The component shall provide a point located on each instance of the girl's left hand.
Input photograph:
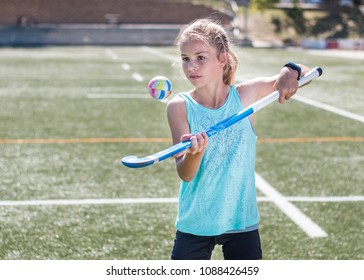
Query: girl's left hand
(199, 143)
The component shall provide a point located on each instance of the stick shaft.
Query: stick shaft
(134, 162)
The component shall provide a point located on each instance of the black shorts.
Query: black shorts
(235, 246)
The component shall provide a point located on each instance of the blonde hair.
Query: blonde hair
(213, 34)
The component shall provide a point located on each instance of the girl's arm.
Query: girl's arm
(187, 162)
(285, 82)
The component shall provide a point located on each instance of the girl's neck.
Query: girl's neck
(211, 97)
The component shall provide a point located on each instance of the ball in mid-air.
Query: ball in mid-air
(160, 87)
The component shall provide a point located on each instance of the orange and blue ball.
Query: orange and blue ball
(160, 87)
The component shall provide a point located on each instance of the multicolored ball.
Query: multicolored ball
(160, 87)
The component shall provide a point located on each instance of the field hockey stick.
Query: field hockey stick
(135, 162)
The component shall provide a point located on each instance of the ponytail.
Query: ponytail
(230, 68)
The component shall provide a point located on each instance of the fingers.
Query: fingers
(185, 137)
(287, 92)
(286, 84)
(199, 143)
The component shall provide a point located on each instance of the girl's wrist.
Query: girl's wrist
(294, 67)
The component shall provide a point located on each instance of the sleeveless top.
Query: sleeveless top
(222, 196)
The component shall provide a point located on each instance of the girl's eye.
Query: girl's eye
(201, 57)
(185, 59)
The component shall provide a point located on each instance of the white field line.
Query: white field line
(138, 77)
(112, 54)
(356, 54)
(146, 200)
(123, 96)
(304, 222)
(125, 66)
(96, 201)
(160, 53)
(329, 108)
(117, 96)
(325, 198)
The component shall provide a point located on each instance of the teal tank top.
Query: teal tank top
(222, 196)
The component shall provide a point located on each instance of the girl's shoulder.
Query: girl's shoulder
(176, 105)
(244, 88)
(177, 100)
(247, 86)
(248, 91)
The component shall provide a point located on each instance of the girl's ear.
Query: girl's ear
(223, 57)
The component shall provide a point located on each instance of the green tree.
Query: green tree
(340, 21)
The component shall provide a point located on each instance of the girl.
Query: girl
(217, 199)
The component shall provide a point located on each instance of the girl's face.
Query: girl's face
(200, 63)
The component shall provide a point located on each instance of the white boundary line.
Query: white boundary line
(326, 199)
(117, 96)
(111, 54)
(125, 66)
(159, 53)
(146, 200)
(138, 77)
(329, 108)
(304, 222)
(347, 54)
(96, 201)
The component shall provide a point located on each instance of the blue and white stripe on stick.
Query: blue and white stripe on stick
(135, 162)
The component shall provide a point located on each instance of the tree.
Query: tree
(341, 21)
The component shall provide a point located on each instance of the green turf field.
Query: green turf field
(68, 114)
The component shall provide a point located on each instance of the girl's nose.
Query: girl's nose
(192, 66)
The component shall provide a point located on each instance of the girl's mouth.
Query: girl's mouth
(194, 77)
